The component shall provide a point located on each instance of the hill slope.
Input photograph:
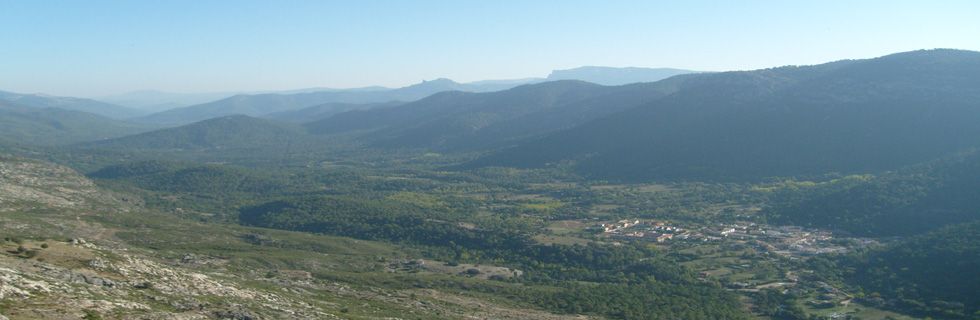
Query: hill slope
(156, 101)
(929, 275)
(323, 111)
(52, 126)
(68, 103)
(263, 104)
(221, 133)
(847, 116)
(472, 121)
(906, 202)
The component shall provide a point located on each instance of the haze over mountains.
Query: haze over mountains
(456, 121)
(156, 101)
(237, 131)
(69, 103)
(262, 104)
(52, 120)
(847, 116)
(609, 76)
(23, 125)
(210, 105)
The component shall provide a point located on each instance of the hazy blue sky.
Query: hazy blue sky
(92, 48)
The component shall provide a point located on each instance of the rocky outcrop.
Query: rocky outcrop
(121, 283)
(35, 182)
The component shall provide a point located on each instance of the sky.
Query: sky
(95, 48)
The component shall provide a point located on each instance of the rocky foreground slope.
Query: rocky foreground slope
(71, 250)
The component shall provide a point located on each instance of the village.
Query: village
(775, 242)
(790, 241)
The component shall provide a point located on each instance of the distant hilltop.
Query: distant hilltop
(611, 76)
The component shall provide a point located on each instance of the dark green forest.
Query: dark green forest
(933, 274)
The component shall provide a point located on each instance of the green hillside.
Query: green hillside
(458, 121)
(905, 202)
(229, 132)
(928, 275)
(52, 126)
(848, 116)
(323, 111)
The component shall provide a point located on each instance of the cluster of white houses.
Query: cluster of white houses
(784, 240)
(650, 230)
(618, 226)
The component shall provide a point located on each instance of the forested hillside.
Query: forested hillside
(458, 121)
(52, 126)
(595, 279)
(848, 116)
(220, 133)
(929, 275)
(905, 202)
(323, 111)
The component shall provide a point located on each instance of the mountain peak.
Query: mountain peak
(440, 80)
(437, 83)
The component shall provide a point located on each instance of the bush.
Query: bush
(91, 315)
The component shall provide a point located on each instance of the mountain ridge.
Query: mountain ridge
(615, 76)
(41, 101)
(235, 131)
(263, 103)
(26, 125)
(462, 121)
(268, 103)
(692, 133)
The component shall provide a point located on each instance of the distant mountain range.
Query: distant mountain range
(461, 121)
(68, 103)
(261, 104)
(24, 125)
(609, 76)
(230, 132)
(170, 109)
(264, 104)
(151, 101)
(323, 111)
(848, 116)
